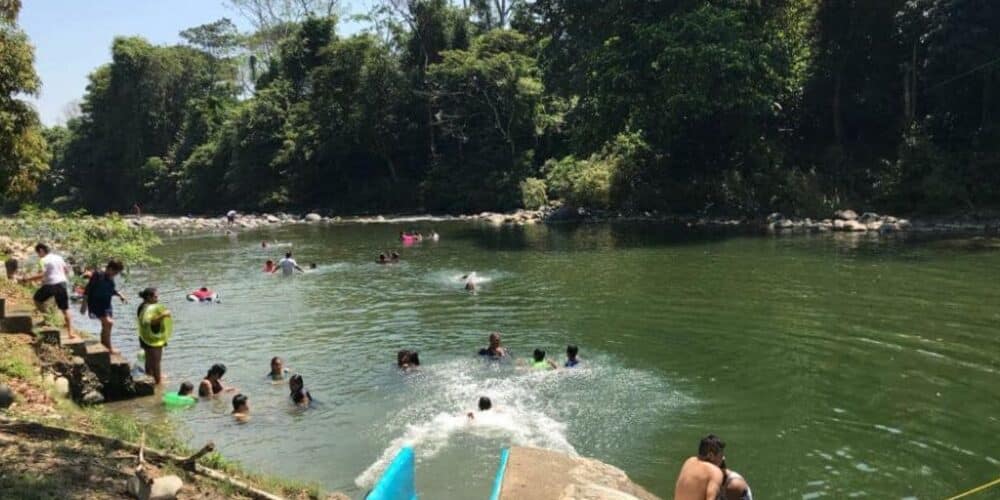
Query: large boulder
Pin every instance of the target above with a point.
(845, 214)
(869, 217)
(564, 213)
(853, 225)
(313, 217)
(272, 219)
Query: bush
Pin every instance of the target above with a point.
(605, 178)
(533, 195)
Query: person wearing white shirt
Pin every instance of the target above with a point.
(287, 265)
(53, 278)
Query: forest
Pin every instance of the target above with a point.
(442, 106)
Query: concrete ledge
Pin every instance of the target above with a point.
(537, 474)
(16, 324)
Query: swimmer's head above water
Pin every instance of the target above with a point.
(187, 388)
(241, 404)
(485, 403)
(277, 366)
(538, 355)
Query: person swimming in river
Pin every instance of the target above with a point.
(278, 370)
(269, 266)
(241, 408)
(484, 405)
(471, 281)
(494, 350)
(571, 356)
(299, 394)
(394, 257)
(212, 383)
(538, 361)
(203, 294)
(263, 244)
(186, 389)
(382, 259)
(407, 360)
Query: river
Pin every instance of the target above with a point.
(833, 366)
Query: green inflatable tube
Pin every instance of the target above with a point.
(174, 400)
(158, 335)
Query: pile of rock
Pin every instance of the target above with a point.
(187, 224)
(843, 220)
(518, 218)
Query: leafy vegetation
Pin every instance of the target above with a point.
(725, 106)
(90, 240)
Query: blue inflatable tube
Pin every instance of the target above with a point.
(498, 480)
(398, 482)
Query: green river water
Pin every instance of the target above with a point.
(834, 366)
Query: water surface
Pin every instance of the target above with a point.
(833, 366)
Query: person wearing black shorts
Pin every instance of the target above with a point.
(53, 278)
(97, 299)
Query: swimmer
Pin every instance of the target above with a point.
(435, 236)
(734, 486)
(571, 358)
(495, 350)
(263, 244)
(300, 395)
(288, 265)
(187, 388)
(269, 266)
(212, 383)
(241, 408)
(312, 265)
(407, 360)
(203, 294)
(418, 236)
(470, 286)
(394, 257)
(538, 361)
(278, 370)
(701, 477)
(484, 405)
(381, 259)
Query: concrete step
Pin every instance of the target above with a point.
(20, 323)
(77, 346)
(3, 307)
(98, 358)
(48, 335)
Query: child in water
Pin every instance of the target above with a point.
(538, 361)
(278, 370)
(300, 395)
(187, 388)
(571, 359)
(241, 408)
(484, 405)
(407, 360)
(269, 266)
(212, 383)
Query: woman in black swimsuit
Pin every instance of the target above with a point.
(212, 383)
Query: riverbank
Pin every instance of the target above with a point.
(52, 448)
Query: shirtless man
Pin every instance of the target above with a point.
(701, 477)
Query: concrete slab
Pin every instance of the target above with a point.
(537, 474)
(19, 323)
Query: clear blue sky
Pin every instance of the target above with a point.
(73, 37)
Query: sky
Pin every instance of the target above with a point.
(73, 37)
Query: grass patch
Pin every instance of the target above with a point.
(287, 487)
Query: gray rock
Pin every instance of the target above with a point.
(853, 225)
(845, 214)
(775, 217)
(62, 386)
(92, 398)
(868, 217)
(144, 386)
(313, 217)
(6, 396)
(272, 219)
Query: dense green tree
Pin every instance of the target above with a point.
(23, 153)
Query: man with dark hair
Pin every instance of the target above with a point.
(97, 298)
(701, 477)
(287, 266)
(241, 408)
(53, 278)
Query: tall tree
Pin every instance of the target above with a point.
(23, 152)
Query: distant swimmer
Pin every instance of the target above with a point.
(278, 370)
(701, 477)
(263, 244)
(299, 394)
(494, 350)
(484, 405)
(382, 259)
(203, 294)
(288, 265)
(312, 266)
(538, 361)
(394, 257)
(734, 485)
(571, 356)
(407, 360)
(471, 282)
(269, 266)
(435, 236)
(241, 408)
(212, 383)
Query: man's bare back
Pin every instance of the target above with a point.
(699, 480)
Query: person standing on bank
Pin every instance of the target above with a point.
(53, 278)
(155, 328)
(97, 299)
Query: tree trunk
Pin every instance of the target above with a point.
(838, 126)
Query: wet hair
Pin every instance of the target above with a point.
(495, 335)
(485, 403)
(288, 255)
(312, 265)
(42, 247)
(406, 356)
(710, 444)
(186, 389)
(217, 369)
(269, 261)
(115, 265)
(238, 401)
(147, 293)
(381, 257)
(539, 355)
(295, 384)
(395, 255)
(571, 350)
(275, 359)
(203, 289)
